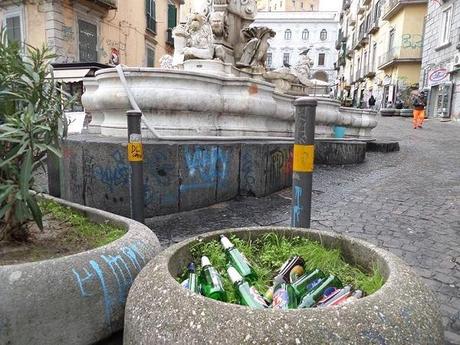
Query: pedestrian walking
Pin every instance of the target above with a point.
(419, 103)
(371, 102)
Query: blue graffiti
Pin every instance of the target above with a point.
(94, 279)
(298, 191)
(113, 175)
(206, 167)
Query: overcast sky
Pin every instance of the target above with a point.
(330, 5)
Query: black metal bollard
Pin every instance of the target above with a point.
(304, 153)
(136, 161)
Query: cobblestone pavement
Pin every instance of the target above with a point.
(406, 202)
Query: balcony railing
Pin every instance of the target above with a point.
(107, 4)
(373, 26)
(397, 55)
(393, 7)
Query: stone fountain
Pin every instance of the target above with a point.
(217, 124)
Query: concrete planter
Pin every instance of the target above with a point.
(160, 311)
(76, 299)
(389, 112)
(406, 112)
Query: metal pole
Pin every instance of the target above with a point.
(136, 161)
(304, 151)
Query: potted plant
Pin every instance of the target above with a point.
(72, 299)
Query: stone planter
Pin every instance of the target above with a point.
(389, 112)
(76, 299)
(160, 311)
(406, 112)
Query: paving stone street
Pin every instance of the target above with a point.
(407, 202)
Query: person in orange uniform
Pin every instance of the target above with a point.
(419, 110)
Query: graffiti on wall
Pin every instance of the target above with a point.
(411, 41)
(99, 274)
(280, 165)
(205, 167)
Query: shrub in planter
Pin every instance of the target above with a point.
(31, 125)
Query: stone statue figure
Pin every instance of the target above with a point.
(198, 38)
(219, 25)
(302, 69)
(166, 62)
(256, 46)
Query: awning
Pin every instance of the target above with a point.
(70, 75)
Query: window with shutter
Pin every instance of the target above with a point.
(150, 15)
(150, 52)
(13, 29)
(87, 41)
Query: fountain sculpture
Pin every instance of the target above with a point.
(217, 123)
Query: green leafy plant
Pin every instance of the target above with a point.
(31, 124)
(268, 253)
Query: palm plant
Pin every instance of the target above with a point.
(31, 125)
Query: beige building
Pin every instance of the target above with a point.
(131, 32)
(380, 44)
(288, 5)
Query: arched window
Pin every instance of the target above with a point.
(305, 34)
(287, 34)
(323, 35)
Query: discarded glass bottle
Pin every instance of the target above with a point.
(211, 281)
(307, 282)
(339, 295)
(287, 267)
(247, 294)
(238, 260)
(192, 278)
(294, 263)
(284, 297)
(296, 273)
(340, 298)
(311, 297)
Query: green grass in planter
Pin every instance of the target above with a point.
(269, 252)
(95, 234)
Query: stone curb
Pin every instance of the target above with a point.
(75, 299)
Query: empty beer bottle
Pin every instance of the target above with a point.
(247, 294)
(192, 278)
(292, 265)
(307, 282)
(312, 296)
(238, 260)
(284, 297)
(211, 281)
(288, 266)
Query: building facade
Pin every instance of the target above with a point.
(134, 33)
(288, 5)
(296, 32)
(440, 74)
(380, 50)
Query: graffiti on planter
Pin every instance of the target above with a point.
(120, 268)
(205, 167)
(298, 191)
(411, 41)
